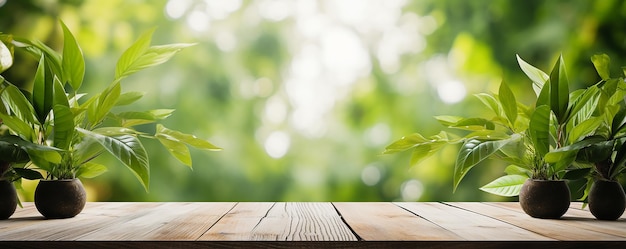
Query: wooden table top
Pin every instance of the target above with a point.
(344, 224)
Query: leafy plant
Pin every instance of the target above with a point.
(518, 134)
(601, 154)
(14, 151)
(54, 113)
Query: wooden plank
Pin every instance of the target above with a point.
(239, 222)
(310, 221)
(93, 216)
(139, 224)
(23, 217)
(583, 219)
(579, 206)
(557, 229)
(469, 225)
(192, 224)
(386, 221)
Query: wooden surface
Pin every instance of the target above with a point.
(309, 224)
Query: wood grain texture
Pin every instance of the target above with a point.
(469, 225)
(386, 221)
(584, 220)
(568, 228)
(308, 225)
(281, 221)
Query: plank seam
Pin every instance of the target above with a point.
(358, 238)
(424, 218)
(216, 221)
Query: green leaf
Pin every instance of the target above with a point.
(140, 56)
(425, 150)
(472, 124)
(128, 98)
(155, 55)
(133, 53)
(508, 102)
(11, 152)
(491, 102)
(559, 91)
(43, 91)
(90, 170)
(63, 127)
(18, 126)
(539, 129)
(473, 152)
(60, 97)
(116, 131)
(537, 76)
(564, 152)
(509, 185)
(100, 108)
(18, 103)
(619, 119)
(129, 150)
(86, 150)
(39, 49)
(28, 173)
(405, 143)
(544, 95)
(601, 63)
(185, 138)
(136, 118)
(586, 128)
(576, 174)
(178, 149)
(36, 152)
(448, 120)
(517, 170)
(583, 107)
(6, 57)
(73, 62)
(63, 118)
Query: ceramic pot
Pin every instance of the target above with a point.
(59, 199)
(8, 199)
(544, 199)
(607, 200)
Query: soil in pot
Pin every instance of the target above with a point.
(545, 199)
(8, 199)
(58, 199)
(607, 200)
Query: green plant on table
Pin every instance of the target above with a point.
(55, 114)
(14, 150)
(521, 135)
(602, 153)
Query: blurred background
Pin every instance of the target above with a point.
(305, 95)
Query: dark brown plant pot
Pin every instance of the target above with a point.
(607, 200)
(59, 199)
(8, 199)
(544, 199)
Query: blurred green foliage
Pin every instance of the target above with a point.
(304, 95)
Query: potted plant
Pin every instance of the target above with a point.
(10, 154)
(601, 156)
(520, 135)
(14, 165)
(82, 130)
(14, 151)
